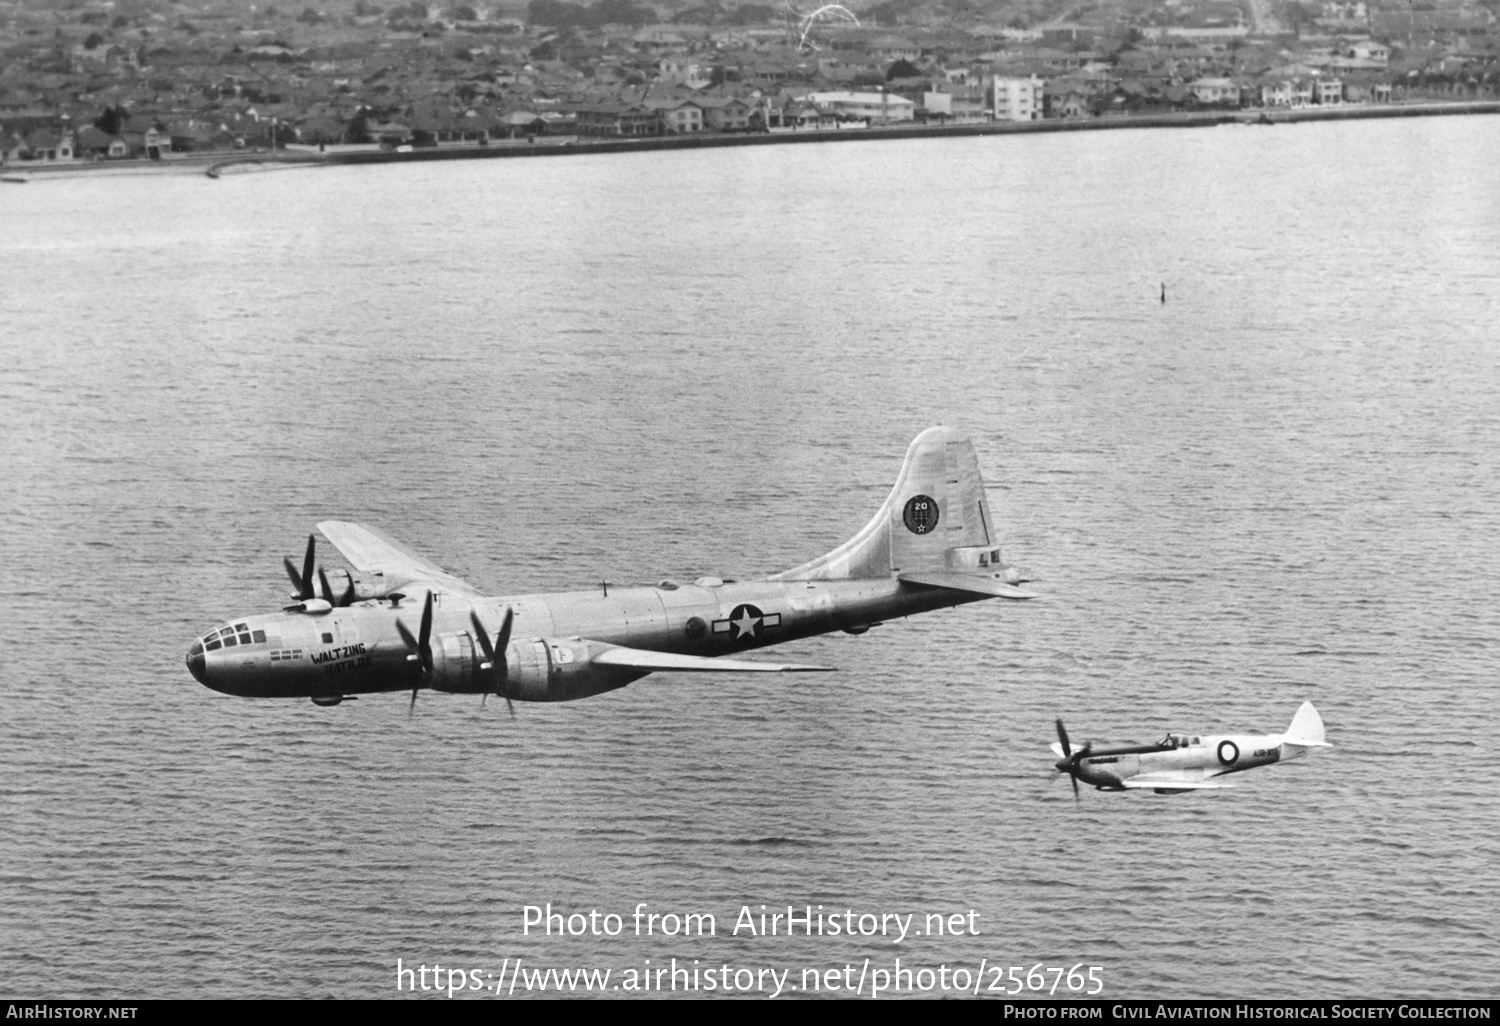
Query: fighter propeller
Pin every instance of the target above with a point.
(1069, 762)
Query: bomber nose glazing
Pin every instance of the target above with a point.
(196, 664)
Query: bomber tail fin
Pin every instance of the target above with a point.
(934, 529)
(1306, 730)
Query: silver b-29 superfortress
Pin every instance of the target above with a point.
(401, 623)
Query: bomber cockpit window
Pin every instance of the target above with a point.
(232, 636)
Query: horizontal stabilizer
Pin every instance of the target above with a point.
(1168, 783)
(639, 659)
(965, 582)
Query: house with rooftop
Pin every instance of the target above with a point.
(726, 113)
(1223, 92)
(677, 116)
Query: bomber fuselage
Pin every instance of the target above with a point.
(358, 649)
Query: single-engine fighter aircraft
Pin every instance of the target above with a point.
(403, 623)
(1186, 762)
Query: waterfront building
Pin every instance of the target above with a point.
(48, 144)
(677, 116)
(1015, 99)
(1221, 91)
(726, 113)
(95, 142)
(879, 108)
(613, 118)
(957, 105)
(1278, 94)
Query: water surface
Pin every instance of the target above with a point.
(1276, 486)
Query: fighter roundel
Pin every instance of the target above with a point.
(745, 624)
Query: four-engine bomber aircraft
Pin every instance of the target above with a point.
(932, 545)
(1186, 762)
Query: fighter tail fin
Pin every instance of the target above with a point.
(936, 520)
(1306, 729)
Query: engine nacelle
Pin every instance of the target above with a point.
(455, 665)
(561, 670)
(538, 669)
(338, 583)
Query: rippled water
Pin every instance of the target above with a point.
(1278, 485)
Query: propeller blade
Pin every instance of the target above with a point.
(502, 640)
(1069, 762)
(495, 654)
(291, 572)
(327, 591)
(347, 599)
(406, 636)
(483, 636)
(419, 646)
(424, 636)
(307, 567)
(502, 643)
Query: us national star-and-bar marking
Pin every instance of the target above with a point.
(745, 623)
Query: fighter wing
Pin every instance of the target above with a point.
(639, 659)
(371, 551)
(1173, 783)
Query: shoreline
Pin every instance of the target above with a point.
(212, 164)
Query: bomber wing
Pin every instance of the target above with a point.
(372, 551)
(640, 659)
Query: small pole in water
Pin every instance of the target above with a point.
(1163, 292)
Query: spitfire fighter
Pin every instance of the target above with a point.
(1186, 762)
(401, 623)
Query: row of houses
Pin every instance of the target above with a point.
(53, 143)
(992, 98)
(1300, 91)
